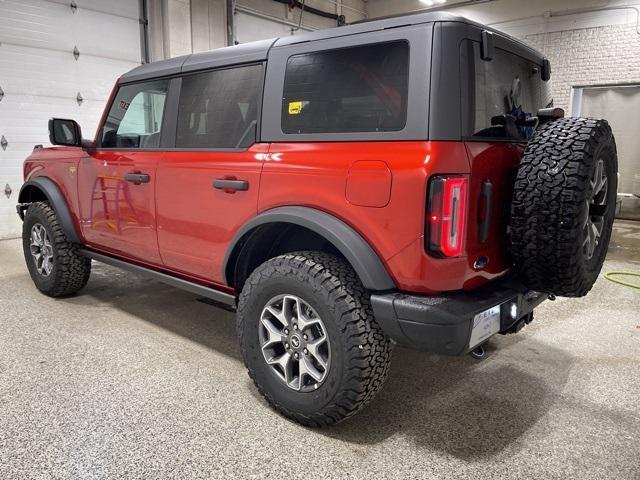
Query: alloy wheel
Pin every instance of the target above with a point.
(597, 207)
(41, 249)
(294, 342)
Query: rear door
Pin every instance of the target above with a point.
(116, 180)
(207, 186)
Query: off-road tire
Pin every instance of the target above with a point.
(551, 205)
(71, 270)
(360, 352)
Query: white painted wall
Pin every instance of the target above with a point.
(208, 24)
(179, 27)
(256, 28)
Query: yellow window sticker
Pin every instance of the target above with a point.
(295, 108)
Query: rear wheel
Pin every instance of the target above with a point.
(309, 339)
(563, 206)
(55, 265)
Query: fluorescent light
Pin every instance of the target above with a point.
(431, 3)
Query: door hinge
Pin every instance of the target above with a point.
(3, 143)
(79, 99)
(7, 190)
(1, 94)
(74, 7)
(76, 52)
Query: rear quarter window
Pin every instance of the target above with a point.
(357, 89)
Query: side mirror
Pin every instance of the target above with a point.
(65, 132)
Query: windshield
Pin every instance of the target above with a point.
(503, 95)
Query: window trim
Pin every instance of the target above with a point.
(419, 39)
(169, 127)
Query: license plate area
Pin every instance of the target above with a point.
(485, 325)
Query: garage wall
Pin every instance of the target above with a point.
(589, 56)
(41, 78)
(250, 25)
(179, 27)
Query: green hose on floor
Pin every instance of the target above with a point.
(609, 276)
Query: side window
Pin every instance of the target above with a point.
(357, 89)
(219, 109)
(135, 117)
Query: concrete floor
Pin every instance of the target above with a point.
(134, 379)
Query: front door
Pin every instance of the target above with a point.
(207, 186)
(116, 180)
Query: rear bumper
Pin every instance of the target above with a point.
(443, 323)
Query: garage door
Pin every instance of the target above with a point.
(40, 76)
(620, 106)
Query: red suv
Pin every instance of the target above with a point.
(405, 180)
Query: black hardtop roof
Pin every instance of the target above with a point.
(258, 51)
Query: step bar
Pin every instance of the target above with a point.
(201, 290)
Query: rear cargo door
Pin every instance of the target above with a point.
(501, 97)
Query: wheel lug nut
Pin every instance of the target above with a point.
(286, 331)
(306, 352)
(305, 336)
(295, 327)
(286, 345)
(296, 355)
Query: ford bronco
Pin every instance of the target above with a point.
(399, 181)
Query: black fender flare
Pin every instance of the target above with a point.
(364, 260)
(56, 200)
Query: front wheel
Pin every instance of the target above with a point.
(56, 266)
(309, 339)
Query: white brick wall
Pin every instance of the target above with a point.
(589, 56)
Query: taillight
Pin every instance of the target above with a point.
(446, 215)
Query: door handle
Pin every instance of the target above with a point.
(230, 186)
(486, 202)
(137, 178)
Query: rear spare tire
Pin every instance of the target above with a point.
(563, 206)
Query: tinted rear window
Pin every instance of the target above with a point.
(359, 89)
(506, 85)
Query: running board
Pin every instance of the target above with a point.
(206, 292)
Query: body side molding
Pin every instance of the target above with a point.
(56, 200)
(364, 260)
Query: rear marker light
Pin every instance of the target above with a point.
(447, 215)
